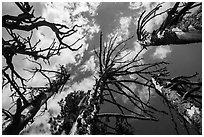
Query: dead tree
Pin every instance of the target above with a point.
(27, 101)
(184, 96)
(179, 27)
(114, 73)
(25, 112)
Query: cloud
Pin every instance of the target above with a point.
(161, 52)
(148, 6)
(6, 99)
(121, 30)
(90, 65)
(68, 14)
(85, 85)
(142, 92)
(7, 6)
(124, 25)
(135, 5)
(145, 94)
(131, 86)
(86, 6)
(93, 6)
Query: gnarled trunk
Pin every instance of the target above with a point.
(185, 108)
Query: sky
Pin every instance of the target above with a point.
(110, 18)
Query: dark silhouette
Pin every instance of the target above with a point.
(178, 17)
(27, 108)
(184, 96)
(82, 111)
(114, 74)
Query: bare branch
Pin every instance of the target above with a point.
(166, 33)
(125, 116)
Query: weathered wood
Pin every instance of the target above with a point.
(175, 29)
(29, 111)
(190, 112)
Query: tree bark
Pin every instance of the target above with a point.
(179, 27)
(28, 111)
(85, 120)
(175, 37)
(191, 113)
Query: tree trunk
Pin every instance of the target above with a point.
(28, 111)
(85, 120)
(179, 27)
(188, 110)
(175, 37)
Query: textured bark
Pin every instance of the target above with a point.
(28, 111)
(188, 110)
(85, 120)
(179, 27)
(89, 106)
(176, 37)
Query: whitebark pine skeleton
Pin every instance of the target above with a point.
(178, 98)
(26, 109)
(111, 67)
(179, 27)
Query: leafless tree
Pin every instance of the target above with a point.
(184, 96)
(115, 72)
(181, 26)
(28, 100)
(179, 92)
